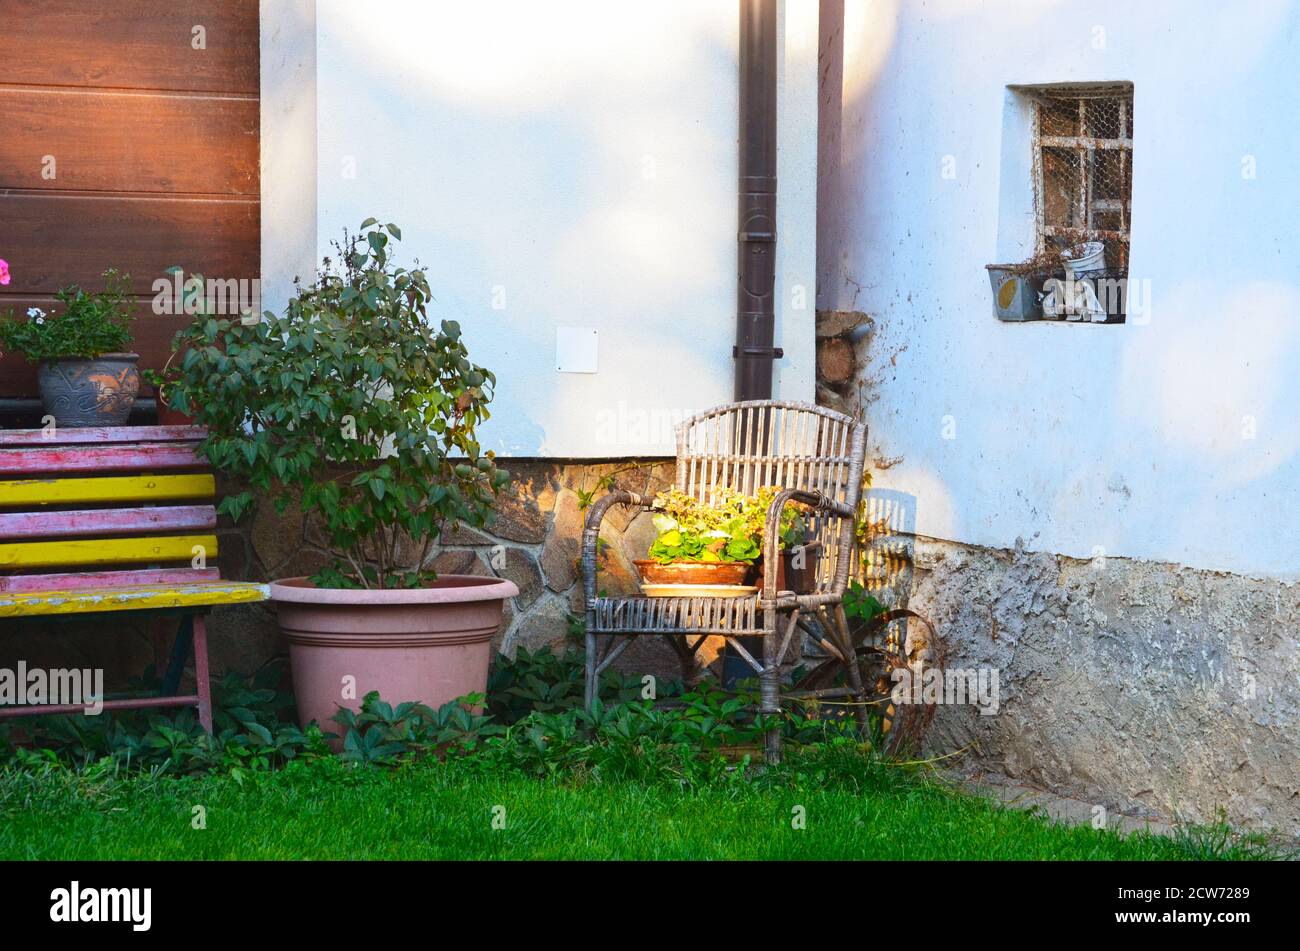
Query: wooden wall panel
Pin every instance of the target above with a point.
(156, 151)
(59, 139)
(131, 44)
(73, 237)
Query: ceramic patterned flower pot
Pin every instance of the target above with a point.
(430, 644)
(99, 391)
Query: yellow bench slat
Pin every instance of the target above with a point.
(147, 488)
(131, 598)
(106, 551)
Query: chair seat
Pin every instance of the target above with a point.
(145, 597)
(678, 616)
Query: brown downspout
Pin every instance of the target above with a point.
(755, 315)
(756, 278)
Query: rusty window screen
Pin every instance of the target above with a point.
(1083, 157)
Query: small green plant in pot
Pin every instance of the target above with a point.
(86, 376)
(717, 543)
(354, 409)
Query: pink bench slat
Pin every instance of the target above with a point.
(148, 457)
(23, 584)
(124, 521)
(104, 434)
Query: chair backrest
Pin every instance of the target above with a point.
(107, 507)
(752, 445)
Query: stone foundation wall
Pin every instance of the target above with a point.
(534, 542)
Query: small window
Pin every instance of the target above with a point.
(1083, 158)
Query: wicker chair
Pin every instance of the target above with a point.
(815, 456)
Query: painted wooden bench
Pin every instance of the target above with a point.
(104, 521)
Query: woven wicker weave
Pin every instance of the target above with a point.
(815, 456)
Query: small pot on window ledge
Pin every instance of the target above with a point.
(1015, 291)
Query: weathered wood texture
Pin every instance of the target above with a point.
(81, 509)
(70, 436)
(131, 44)
(132, 598)
(106, 489)
(130, 141)
(92, 522)
(146, 456)
(69, 581)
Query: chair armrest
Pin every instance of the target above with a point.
(591, 533)
(772, 525)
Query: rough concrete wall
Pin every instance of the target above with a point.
(1134, 684)
(1140, 686)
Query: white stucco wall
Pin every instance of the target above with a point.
(568, 164)
(1131, 439)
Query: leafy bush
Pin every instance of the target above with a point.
(86, 325)
(352, 407)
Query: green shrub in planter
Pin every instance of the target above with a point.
(352, 406)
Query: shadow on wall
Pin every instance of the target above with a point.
(889, 549)
(551, 165)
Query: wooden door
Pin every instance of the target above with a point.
(128, 139)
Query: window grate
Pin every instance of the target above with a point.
(1083, 145)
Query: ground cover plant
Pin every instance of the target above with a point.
(523, 773)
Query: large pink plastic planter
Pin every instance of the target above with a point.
(428, 644)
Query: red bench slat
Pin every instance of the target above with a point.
(148, 457)
(100, 434)
(124, 521)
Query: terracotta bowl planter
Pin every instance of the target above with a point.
(90, 392)
(693, 572)
(429, 644)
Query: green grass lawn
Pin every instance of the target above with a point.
(432, 810)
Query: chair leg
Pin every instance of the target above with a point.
(589, 685)
(687, 659)
(770, 688)
(201, 672)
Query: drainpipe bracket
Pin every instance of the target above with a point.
(776, 353)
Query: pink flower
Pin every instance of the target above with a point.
(4, 271)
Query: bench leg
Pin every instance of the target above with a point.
(199, 625)
(180, 652)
